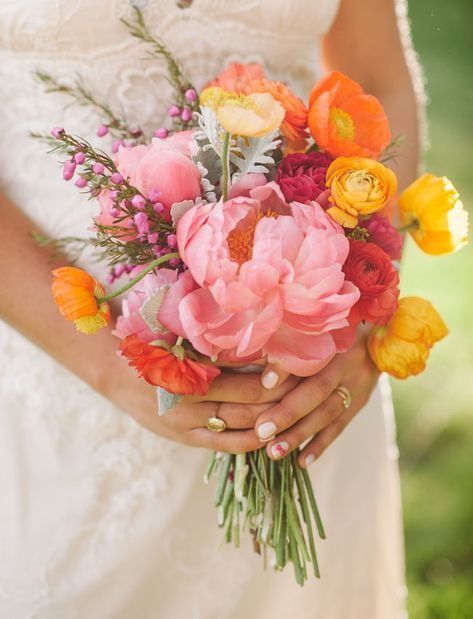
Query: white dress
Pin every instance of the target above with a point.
(100, 519)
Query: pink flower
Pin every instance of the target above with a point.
(164, 167)
(262, 283)
(301, 176)
(131, 321)
(383, 234)
(237, 77)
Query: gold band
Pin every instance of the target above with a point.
(343, 392)
(216, 424)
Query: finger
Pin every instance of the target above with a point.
(306, 427)
(307, 396)
(273, 375)
(229, 441)
(316, 447)
(241, 416)
(245, 389)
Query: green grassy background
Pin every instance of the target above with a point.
(435, 410)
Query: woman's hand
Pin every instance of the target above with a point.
(313, 409)
(238, 399)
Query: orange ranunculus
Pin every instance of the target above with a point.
(237, 76)
(294, 125)
(431, 205)
(169, 369)
(402, 347)
(359, 186)
(75, 293)
(344, 120)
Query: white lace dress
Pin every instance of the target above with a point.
(100, 519)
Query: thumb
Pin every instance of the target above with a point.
(273, 375)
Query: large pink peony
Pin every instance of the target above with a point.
(140, 308)
(163, 166)
(263, 280)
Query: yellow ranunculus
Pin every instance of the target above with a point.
(359, 186)
(253, 115)
(402, 347)
(432, 207)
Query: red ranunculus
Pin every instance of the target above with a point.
(370, 269)
(162, 368)
(301, 176)
(382, 233)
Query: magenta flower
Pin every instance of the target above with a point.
(301, 176)
(263, 280)
(383, 234)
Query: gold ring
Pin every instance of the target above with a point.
(344, 394)
(216, 424)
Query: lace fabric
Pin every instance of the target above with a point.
(99, 517)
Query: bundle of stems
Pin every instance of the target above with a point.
(274, 501)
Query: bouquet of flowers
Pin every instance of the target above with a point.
(255, 227)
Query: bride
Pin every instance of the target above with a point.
(103, 511)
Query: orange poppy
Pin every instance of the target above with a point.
(237, 76)
(168, 369)
(344, 120)
(75, 293)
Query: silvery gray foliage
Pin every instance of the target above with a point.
(206, 151)
(167, 401)
(252, 156)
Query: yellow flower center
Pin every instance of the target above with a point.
(241, 239)
(215, 97)
(343, 123)
(91, 324)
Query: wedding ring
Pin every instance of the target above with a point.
(216, 424)
(344, 394)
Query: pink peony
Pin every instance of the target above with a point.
(165, 167)
(131, 321)
(262, 282)
(383, 234)
(301, 176)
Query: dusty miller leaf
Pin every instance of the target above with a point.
(251, 156)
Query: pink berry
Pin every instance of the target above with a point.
(174, 263)
(172, 240)
(154, 194)
(57, 132)
(98, 168)
(158, 208)
(68, 170)
(174, 111)
(138, 201)
(116, 178)
(113, 195)
(115, 212)
(79, 158)
(191, 95)
(116, 145)
(153, 238)
(161, 133)
(186, 115)
(81, 182)
(102, 130)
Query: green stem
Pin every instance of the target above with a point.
(152, 265)
(225, 164)
(407, 227)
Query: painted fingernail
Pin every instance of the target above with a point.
(310, 458)
(266, 430)
(270, 380)
(279, 450)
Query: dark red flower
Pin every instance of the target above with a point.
(370, 269)
(382, 233)
(163, 368)
(301, 176)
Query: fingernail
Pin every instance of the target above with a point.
(270, 379)
(266, 430)
(310, 458)
(278, 450)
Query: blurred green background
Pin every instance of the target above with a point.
(435, 410)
